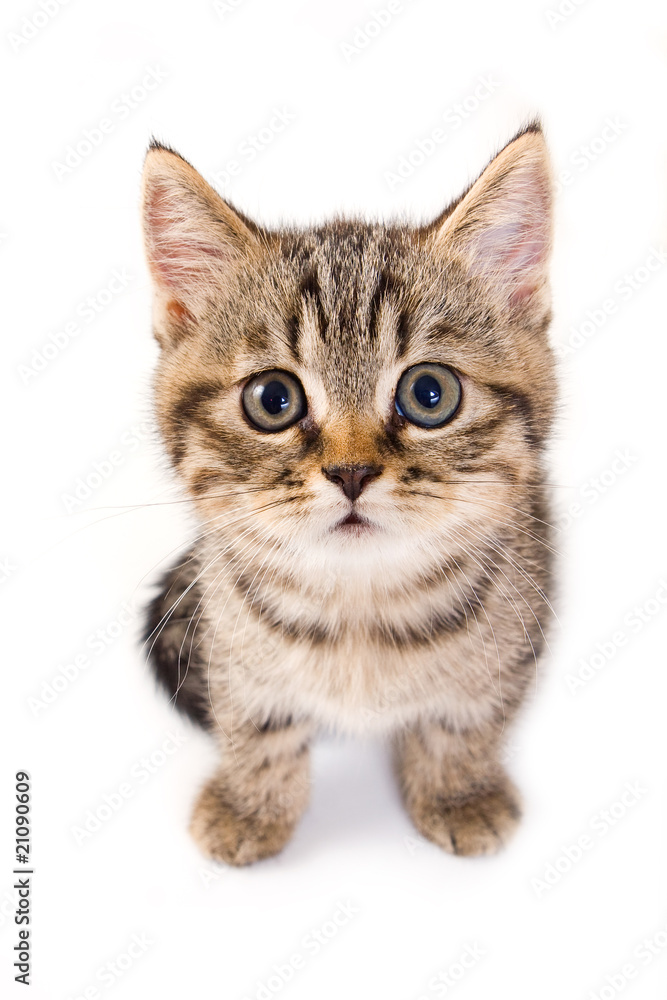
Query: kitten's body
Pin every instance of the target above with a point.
(424, 621)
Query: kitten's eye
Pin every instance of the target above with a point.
(428, 395)
(274, 400)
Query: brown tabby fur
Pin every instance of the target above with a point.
(277, 623)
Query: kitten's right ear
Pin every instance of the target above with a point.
(194, 241)
(500, 229)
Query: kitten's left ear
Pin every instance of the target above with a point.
(501, 229)
(195, 241)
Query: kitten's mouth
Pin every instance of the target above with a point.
(353, 524)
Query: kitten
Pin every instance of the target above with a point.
(357, 412)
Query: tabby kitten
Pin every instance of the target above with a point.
(357, 412)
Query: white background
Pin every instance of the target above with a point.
(217, 933)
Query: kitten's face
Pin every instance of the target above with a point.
(355, 391)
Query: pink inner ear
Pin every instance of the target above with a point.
(179, 312)
(512, 251)
(526, 263)
(179, 255)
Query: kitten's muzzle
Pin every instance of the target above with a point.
(352, 479)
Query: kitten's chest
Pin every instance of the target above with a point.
(356, 657)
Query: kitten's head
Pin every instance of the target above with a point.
(356, 390)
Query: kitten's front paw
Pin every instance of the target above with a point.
(479, 824)
(224, 835)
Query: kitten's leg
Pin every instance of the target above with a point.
(455, 788)
(250, 807)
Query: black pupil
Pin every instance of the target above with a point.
(275, 397)
(427, 391)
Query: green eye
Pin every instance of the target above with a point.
(428, 395)
(274, 400)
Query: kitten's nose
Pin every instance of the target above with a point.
(352, 478)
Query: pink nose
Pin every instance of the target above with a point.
(352, 478)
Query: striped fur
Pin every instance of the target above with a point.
(428, 627)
